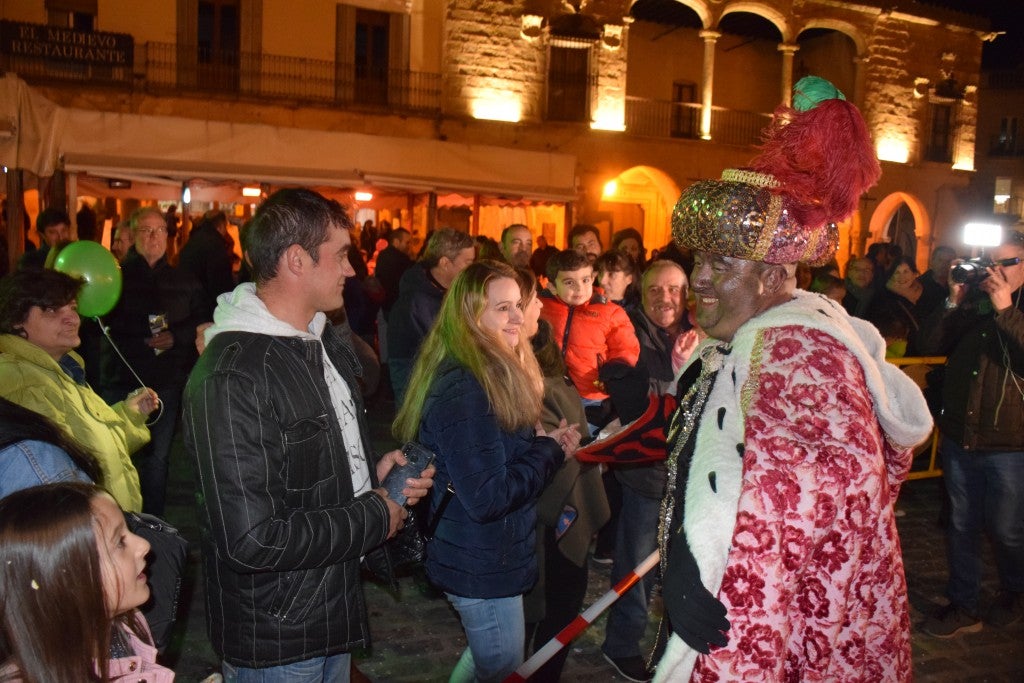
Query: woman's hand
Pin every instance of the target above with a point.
(567, 436)
(143, 401)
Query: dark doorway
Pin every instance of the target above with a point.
(218, 43)
(371, 57)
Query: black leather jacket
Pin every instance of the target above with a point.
(282, 532)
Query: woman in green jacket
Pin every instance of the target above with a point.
(38, 370)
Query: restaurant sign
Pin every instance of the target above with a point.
(18, 39)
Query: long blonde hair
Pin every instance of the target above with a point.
(510, 378)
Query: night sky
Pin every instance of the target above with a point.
(1007, 52)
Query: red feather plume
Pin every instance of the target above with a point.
(823, 159)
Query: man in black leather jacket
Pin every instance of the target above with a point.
(288, 484)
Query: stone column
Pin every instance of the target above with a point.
(860, 64)
(707, 81)
(787, 50)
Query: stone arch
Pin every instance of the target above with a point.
(846, 28)
(699, 7)
(884, 213)
(654, 192)
(772, 15)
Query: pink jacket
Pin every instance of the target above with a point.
(142, 667)
(139, 668)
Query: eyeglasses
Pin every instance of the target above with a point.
(149, 232)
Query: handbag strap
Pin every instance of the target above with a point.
(439, 513)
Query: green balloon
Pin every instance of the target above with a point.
(97, 267)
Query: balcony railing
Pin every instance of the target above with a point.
(167, 67)
(662, 119)
(293, 78)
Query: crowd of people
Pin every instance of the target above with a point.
(724, 401)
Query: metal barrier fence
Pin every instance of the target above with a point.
(917, 367)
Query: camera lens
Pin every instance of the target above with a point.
(968, 273)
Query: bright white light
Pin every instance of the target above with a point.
(186, 196)
(364, 196)
(497, 107)
(890, 149)
(610, 188)
(983, 234)
(1002, 198)
(251, 192)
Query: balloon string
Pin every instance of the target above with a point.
(142, 385)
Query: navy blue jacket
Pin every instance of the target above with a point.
(484, 544)
(419, 300)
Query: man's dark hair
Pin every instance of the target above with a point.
(565, 260)
(395, 234)
(581, 229)
(627, 234)
(290, 216)
(214, 218)
(51, 216)
(1014, 238)
(514, 226)
(445, 242)
(23, 289)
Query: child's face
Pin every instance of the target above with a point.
(122, 557)
(575, 287)
(615, 283)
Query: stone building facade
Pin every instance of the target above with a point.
(486, 112)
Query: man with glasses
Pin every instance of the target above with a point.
(981, 330)
(154, 326)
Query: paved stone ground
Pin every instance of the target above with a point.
(417, 637)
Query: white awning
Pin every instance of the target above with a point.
(169, 149)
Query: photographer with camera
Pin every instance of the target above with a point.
(981, 330)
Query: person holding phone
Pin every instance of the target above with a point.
(289, 496)
(475, 401)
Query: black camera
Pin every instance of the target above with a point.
(974, 270)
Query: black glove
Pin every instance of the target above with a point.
(694, 614)
(627, 386)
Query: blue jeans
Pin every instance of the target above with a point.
(334, 669)
(636, 538)
(986, 493)
(496, 633)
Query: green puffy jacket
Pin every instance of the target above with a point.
(31, 378)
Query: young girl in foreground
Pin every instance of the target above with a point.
(71, 578)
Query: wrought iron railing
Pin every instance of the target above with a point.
(168, 67)
(291, 78)
(660, 118)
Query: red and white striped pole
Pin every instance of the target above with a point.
(581, 622)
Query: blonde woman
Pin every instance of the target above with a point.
(475, 399)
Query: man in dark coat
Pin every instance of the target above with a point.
(208, 256)
(154, 327)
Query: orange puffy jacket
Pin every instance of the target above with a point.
(590, 335)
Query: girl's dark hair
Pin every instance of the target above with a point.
(56, 627)
(614, 262)
(23, 289)
(18, 423)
